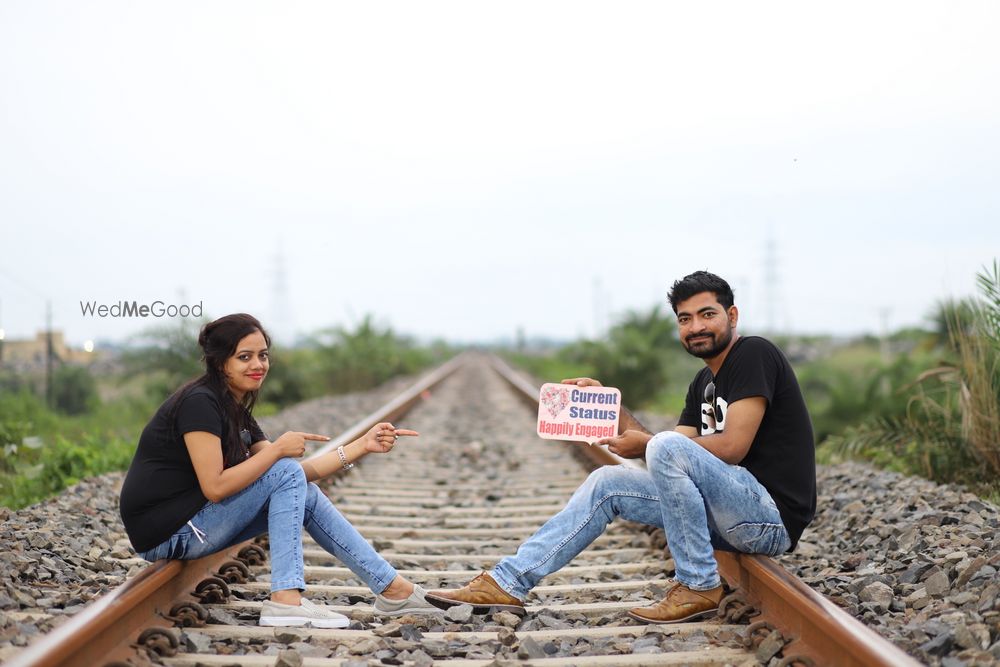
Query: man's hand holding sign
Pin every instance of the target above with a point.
(583, 410)
(630, 443)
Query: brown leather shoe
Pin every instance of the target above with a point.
(680, 604)
(482, 593)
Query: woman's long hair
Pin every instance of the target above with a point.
(218, 340)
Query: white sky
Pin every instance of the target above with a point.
(462, 169)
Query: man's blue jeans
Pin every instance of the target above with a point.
(700, 501)
(281, 503)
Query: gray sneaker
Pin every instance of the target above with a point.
(415, 604)
(275, 614)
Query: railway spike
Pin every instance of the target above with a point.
(235, 572)
(735, 609)
(161, 641)
(765, 640)
(212, 590)
(756, 633)
(252, 555)
(188, 614)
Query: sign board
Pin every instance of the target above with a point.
(586, 414)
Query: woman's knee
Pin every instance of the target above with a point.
(317, 501)
(314, 495)
(290, 470)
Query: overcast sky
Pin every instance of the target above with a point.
(462, 169)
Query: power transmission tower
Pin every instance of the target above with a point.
(773, 307)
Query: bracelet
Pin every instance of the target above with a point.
(344, 465)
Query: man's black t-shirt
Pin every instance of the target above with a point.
(783, 454)
(161, 492)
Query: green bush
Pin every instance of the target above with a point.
(38, 468)
(641, 356)
(74, 390)
(950, 430)
(166, 356)
(854, 384)
(366, 357)
(45, 451)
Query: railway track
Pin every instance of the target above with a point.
(441, 509)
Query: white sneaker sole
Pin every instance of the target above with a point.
(303, 621)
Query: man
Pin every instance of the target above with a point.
(738, 473)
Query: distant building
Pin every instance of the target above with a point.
(29, 355)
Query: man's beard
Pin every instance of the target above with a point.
(718, 345)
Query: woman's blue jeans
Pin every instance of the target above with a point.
(281, 503)
(701, 502)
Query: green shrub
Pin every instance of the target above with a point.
(74, 390)
(641, 356)
(42, 468)
(950, 430)
(856, 384)
(167, 356)
(365, 357)
(45, 451)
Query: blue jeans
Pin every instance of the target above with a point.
(280, 502)
(702, 503)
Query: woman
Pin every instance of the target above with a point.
(205, 477)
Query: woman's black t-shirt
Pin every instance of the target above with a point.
(782, 455)
(161, 492)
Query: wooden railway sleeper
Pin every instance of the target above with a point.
(212, 590)
(735, 609)
(161, 641)
(188, 614)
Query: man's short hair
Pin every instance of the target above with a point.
(698, 282)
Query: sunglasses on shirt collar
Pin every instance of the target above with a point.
(710, 399)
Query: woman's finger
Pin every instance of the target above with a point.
(405, 431)
(315, 436)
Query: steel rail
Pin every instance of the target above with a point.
(94, 635)
(816, 629)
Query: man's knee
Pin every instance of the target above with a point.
(670, 449)
(605, 481)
